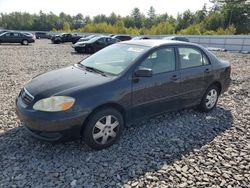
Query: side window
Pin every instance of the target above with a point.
(16, 34)
(160, 61)
(7, 34)
(108, 40)
(101, 41)
(190, 57)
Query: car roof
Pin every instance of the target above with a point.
(121, 36)
(154, 43)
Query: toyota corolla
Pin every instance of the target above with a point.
(125, 82)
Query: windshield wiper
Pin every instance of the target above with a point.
(92, 69)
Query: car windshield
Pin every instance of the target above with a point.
(115, 58)
(90, 37)
(93, 39)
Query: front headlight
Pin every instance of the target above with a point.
(54, 104)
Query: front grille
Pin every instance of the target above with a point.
(26, 96)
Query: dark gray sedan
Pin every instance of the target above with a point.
(16, 37)
(118, 85)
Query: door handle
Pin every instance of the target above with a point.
(175, 77)
(207, 70)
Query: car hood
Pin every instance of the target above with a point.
(64, 80)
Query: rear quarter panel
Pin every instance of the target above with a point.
(222, 71)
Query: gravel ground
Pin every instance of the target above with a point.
(179, 149)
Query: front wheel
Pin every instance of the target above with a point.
(25, 42)
(103, 128)
(210, 98)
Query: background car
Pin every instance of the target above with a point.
(16, 37)
(95, 44)
(122, 37)
(118, 85)
(178, 38)
(3, 31)
(86, 38)
(42, 35)
(140, 38)
(65, 37)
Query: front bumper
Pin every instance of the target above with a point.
(50, 126)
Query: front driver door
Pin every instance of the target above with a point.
(100, 44)
(159, 93)
(7, 37)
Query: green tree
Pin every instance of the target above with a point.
(214, 21)
(151, 18)
(137, 17)
(194, 29)
(66, 27)
(236, 12)
(184, 20)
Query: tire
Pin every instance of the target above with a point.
(103, 128)
(209, 99)
(57, 42)
(25, 42)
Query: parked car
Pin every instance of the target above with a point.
(16, 37)
(42, 35)
(65, 37)
(179, 38)
(122, 37)
(3, 31)
(118, 85)
(93, 45)
(140, 38)
(86, 38)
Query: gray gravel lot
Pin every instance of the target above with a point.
(179, 149)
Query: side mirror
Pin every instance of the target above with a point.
(144, 72)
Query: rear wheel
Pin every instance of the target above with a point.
(210, 98)
(25, 42)
(103, 128)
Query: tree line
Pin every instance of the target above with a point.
(224, 17)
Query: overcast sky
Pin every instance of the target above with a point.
(95, 7)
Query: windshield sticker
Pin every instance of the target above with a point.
(133, 49)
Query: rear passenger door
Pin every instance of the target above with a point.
(17, 38)
(195, 71)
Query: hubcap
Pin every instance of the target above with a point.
(211, 98)
(25, 42)
(105, 129)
